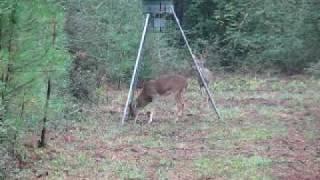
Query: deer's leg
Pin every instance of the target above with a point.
(177, 114)
(182, 101)
(151, 116)
(136, 118)
(203, 96)
(203, 91)
(201, 88)
(180, 104)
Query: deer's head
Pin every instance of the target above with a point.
(141, 101)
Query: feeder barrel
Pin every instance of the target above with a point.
(155, 7)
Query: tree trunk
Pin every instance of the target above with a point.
(42, 142)
(8, 70)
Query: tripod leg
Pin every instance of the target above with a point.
(125, 112)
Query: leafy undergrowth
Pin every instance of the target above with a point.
(270, 130)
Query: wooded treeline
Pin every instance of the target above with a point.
(32, 53)
(259, 34)
(82, 45)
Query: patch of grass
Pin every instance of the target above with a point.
(250, 134)
(311, 132)
(165, 165)
(230, 113)
(59, 161)
(275, 86)
(294, 99)
(128, 171)
(229, 138)
(72, 164)
(116, 131)
(238, 84)
(234, 167)
(197, 125)
(296, 85)
(60, 164)
(268, 112)
(251, 118)
(155, 142)
(82, 160)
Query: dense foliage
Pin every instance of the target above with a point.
(32, 51)
(107, 33)
(257, 34)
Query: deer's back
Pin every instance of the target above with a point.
(166, 84)
(207, 75)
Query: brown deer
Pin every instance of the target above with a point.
(163, 86)
(207, 74)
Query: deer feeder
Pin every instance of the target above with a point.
(160, 11)
(158, 14)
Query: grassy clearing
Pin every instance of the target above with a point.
(269, 131)
(234, 168)
(128, 171)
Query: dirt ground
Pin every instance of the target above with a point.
(270, 130)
